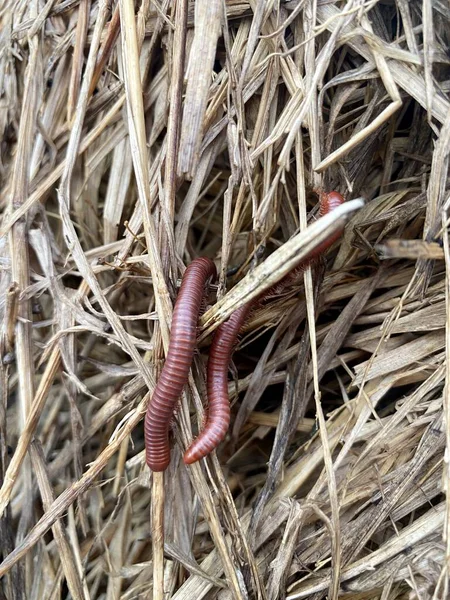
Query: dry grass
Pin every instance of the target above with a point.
(118, 166)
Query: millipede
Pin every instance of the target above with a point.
(175, 372)
(224, 341)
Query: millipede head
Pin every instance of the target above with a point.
(330, 201)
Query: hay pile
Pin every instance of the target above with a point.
(118, 166)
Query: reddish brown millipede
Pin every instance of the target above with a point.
(218, 417)
(175, 372)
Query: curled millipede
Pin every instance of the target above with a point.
(175, 372)
(218, 417)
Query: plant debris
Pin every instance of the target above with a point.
(136, 137)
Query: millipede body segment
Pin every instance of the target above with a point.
(175, 372)
(218, 417)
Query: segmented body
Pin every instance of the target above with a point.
(224, 341)
(175, 372)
